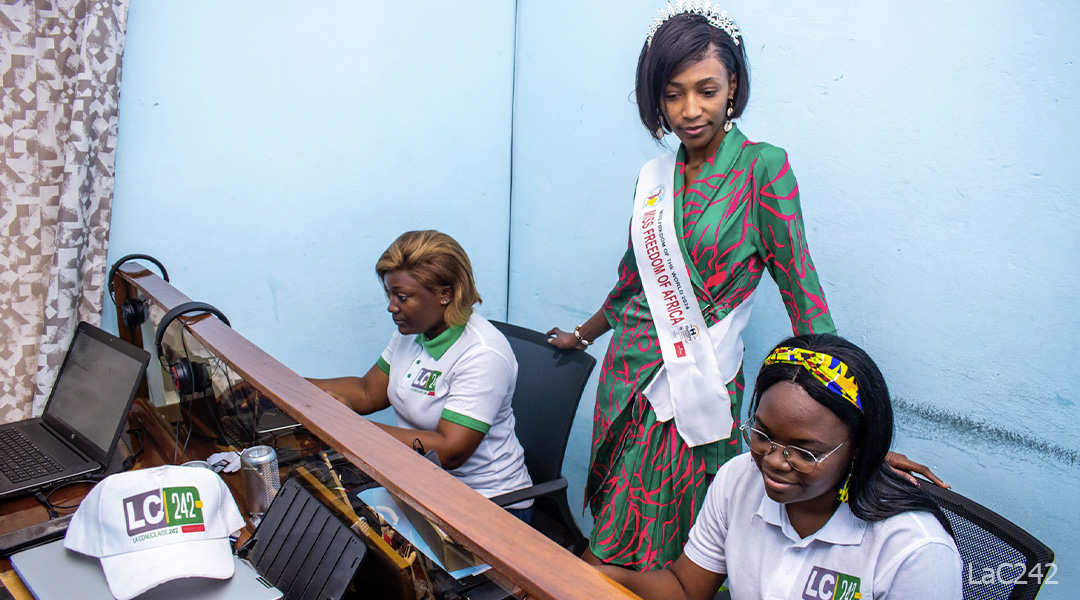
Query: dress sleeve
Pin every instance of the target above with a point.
(782, 243)
(628, 286)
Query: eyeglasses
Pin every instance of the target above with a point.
(803, 461)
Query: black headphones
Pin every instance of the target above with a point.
(133, 311)
(188, 376)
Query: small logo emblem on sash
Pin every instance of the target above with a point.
(686, 333)
(654, 196)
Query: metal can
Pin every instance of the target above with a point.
(261, 478)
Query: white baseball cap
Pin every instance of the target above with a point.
(154, 525)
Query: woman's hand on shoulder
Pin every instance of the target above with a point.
(905, 467)
(564, 340)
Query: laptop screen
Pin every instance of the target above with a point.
(95, 386)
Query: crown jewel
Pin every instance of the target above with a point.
(717, 18)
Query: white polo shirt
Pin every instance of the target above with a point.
(465, 375)
(743, 533)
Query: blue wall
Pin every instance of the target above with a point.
(269, 152)
(268, 155)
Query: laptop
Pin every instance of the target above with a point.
(264, 418)
(83, 419)
(253, 418)
(52, 572)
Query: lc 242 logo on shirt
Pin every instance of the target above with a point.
(425, 381)
(824, 584)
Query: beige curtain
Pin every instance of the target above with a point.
(60, 63)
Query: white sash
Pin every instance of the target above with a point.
(701, 360)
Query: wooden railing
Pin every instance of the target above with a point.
(516, 551)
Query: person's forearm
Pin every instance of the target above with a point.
(660, 585)
(350, 391)
(595, 326)
(450, 456)
(586, 333)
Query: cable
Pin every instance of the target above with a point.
(129, 462)
(215, 410)
(191, 420)
(299, 447)
(45, 502)
(233, 394)
(46, 499)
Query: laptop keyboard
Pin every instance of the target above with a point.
(21, 459)
(234, 435)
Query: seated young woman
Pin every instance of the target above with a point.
(447, 372)
(812, 511)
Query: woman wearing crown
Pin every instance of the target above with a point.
(708, 221)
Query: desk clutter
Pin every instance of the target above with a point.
(394, 566)
(145, 528)
(169, 532)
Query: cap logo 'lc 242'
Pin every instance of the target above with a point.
(178, 507)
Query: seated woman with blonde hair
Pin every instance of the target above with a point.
(813, 511)
(447, 372)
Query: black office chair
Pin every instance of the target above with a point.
(989, 543)
(549, 387)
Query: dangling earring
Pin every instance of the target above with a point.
(730, 109)
(845, 490)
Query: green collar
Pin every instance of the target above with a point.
(442, 342)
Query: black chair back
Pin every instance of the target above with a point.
(1001, 561)
(549, 387)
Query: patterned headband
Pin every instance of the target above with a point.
(830, 371)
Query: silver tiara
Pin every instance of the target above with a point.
(716, 17)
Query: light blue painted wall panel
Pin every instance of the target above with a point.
(270, 151)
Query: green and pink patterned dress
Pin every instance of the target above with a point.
(740, 218)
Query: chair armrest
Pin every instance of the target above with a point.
(534, 491)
